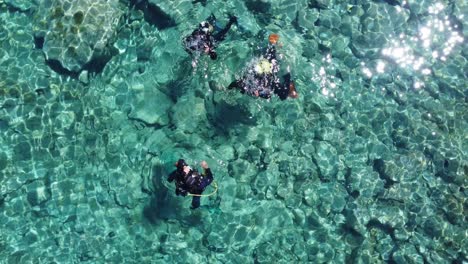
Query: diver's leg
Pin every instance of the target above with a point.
(219, 36)
(195, 202)
(287, 79)
(282, 89)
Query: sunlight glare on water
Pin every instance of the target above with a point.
(436, 38)
(328, 82)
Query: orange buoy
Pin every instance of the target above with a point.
(273, 38)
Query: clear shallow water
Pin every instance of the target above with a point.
(367, 166)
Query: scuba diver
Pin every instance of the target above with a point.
(189, 181)
(260, 79)
(204, 39)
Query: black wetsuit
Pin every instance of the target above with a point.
(179, 176)
(264, 85)
(193, 182)
(203, 40)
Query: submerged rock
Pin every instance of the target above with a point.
(23, 5)
(327, 160)
(152, 110)
(77, 31)
(189, 114)
(150, 105)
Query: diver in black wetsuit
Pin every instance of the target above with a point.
(190, 181)
(261, 79)
(204, 39)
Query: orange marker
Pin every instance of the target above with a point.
(273, 38)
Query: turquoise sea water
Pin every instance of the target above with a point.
(98, 99)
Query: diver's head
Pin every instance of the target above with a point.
(213, 55)
(180, 164)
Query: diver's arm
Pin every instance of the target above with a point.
(287, 88)
(207, 174)
(219, 36)
(172, 176)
